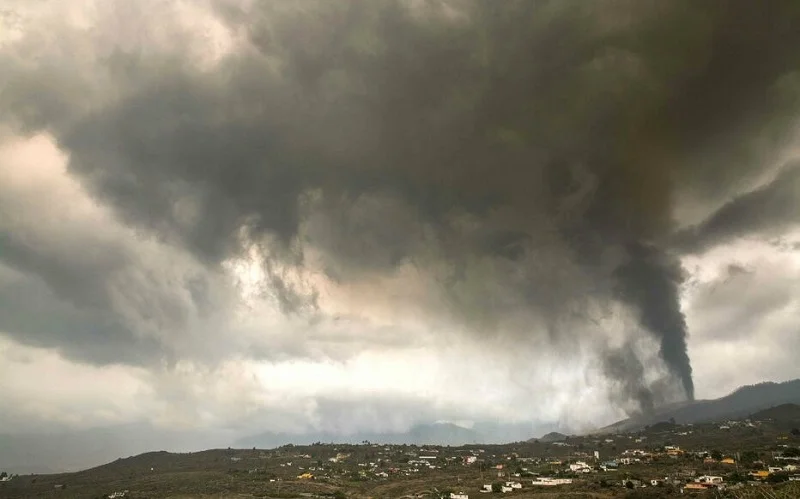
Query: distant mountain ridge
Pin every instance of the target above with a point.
(421, 434)
(740, 403)
(435, 433)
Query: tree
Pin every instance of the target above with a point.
(716, 455)
(3, 474)
(749, 456)
(792, 452)
(796, 432)
(777, 477)
(736, 477)
(497, 487)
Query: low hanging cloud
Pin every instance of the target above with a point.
(768, 211)
(505, 172)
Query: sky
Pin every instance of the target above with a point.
(231, 216)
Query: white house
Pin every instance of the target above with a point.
(505, 489)
(514, 485)
(459, 495)
(580, 467)
(545, 481)
(709, 479)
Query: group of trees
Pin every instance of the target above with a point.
(749, 457)
(791, 452)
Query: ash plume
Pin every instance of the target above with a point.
(649, 281)
(525, 157)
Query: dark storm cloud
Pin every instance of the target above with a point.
(536, 147)
(74, 279)
(91, 312)
(30, 313)
(768, 210)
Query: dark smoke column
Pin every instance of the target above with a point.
(649, 282)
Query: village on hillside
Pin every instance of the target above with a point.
(662, 460)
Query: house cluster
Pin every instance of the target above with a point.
(383, 462)
(705, 482)
(620, 460)
(501, 487)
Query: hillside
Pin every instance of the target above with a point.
(740, 403)
(783, 412)
(553, 436)
(784, 416)
(369, 470)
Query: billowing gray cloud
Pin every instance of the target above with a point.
(767, 211)
(74, 278)
(30, 311)
(523, 158)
